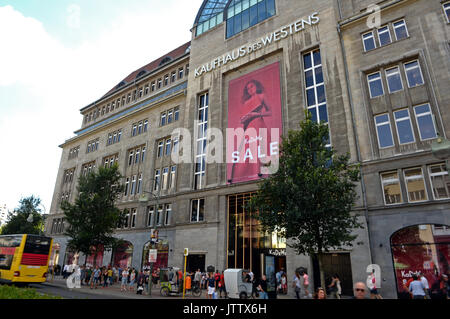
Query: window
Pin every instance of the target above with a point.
(384, 35)
(165, 178)
(159, 83)
(133, 185)
(157, 179)
(150, 211)
(404, 127)
(126, 220)
(166, 80)
(169, 116)
(143, 154)
(133, 217)
(375, 85)
(173, 172)
(159, 215)
(137, 156)
(175, 146)
(139, 184)
(147, 89)
(160, 148)
(315, 86)
(414, 74)
(177, 113)
(153, 86)
(369, 41)
(391, 188)
(141, 92)
(139, 128)
(400, 30)
(202, 126)
(168, 147)
(440, 182)
(425, 122)
(394, 80)
(127, 185)
(180, 73)
(168, 216)
(130, 158)
(384, 131)
(415, 185)
(446, 7)
(173, 76)
(246, 13)
(145, 126)
(163, 118)
(198, 210)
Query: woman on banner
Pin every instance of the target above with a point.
(253, 111)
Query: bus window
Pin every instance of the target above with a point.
(8, 245)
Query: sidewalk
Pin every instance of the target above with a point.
(115, 291)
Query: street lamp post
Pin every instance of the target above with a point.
(144, 199)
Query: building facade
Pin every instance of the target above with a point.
(191, 131)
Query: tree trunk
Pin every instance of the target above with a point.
(322, 274)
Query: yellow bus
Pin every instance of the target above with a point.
(24, 258)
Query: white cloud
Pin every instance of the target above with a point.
(59, 80)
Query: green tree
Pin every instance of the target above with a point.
(93, 217)
(309, 199)
(19, 221)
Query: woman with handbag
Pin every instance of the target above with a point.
(335, 287)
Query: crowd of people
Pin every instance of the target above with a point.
(128, 278)
(213, 283)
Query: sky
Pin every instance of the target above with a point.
(58, 56)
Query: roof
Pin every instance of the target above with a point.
(209, 9)
(152, 66)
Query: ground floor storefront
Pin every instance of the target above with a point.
(396, 245)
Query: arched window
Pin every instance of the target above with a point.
(420, 249)
(122, 256)
(141, 74)
(167, 59)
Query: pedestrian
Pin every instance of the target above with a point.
(335, 287)
(188, 282)
(305, 278)
(424, 281)
(297, 285)
(89, 276)
(211, 282)
(132, 279)
(284, 286)
(262, 288)
(140, 283)
(125, 274)
(105, 277)
(416, 288)
(222, 285)
(96, 274)
(360, 290)
(320, 294)
(83, 275)
(197, 278)
(372, 284)
(109, 274)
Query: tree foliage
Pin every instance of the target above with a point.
(309, 200)
(93, 218)
(18, 223)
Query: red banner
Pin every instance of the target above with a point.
(254, 124)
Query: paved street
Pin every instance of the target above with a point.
(58, 287)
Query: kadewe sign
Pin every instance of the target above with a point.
(254, 124)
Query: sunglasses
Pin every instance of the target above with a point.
(359, 289)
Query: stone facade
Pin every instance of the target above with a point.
(350, 116)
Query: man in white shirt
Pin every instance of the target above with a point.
(424, 281)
